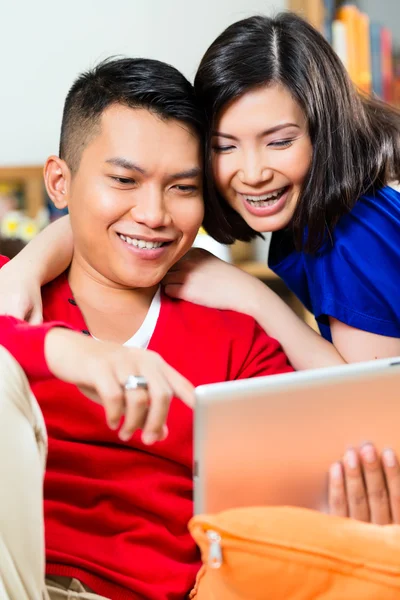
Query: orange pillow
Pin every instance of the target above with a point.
(284, 553)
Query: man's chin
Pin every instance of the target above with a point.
(142, 279)
(142, 284)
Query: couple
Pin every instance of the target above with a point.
(113, 365)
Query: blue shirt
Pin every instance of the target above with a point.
(355, 277)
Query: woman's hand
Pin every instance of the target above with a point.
(202, 278)
(366, 486)
(20, 295)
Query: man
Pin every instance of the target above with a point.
(117, 497)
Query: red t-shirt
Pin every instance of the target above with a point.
(116, 513)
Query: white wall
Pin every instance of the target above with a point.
(45, 44)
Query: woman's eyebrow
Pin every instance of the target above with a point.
(266, 132)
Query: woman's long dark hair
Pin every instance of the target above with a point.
(355, 139)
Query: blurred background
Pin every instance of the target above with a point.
(44, 45)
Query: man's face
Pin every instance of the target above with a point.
(136, 202)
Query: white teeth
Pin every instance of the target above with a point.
(268, 199)
(140, 243)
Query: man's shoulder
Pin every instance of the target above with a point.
(3, 260)
(206, 318)
(223, 337)
(226, 328)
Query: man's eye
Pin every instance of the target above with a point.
(281, 143)
(222, 149)
(186, 189)
(123, 180)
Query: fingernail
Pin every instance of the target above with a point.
(149, 438)
(336, 471)
(124, 436)
(351, 459)
(389, 457)
(164, 433)
(368, 453)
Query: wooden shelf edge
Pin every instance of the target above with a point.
(257, 269)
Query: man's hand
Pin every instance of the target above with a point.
(366, 486)
(101, 369)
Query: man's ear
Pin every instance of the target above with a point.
(57, 179)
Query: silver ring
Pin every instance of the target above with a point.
(136, 382)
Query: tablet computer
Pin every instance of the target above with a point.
(271, 440)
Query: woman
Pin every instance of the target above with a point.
(294, 150)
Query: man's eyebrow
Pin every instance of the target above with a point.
(124, 163)
(188, 174)
(266, 132)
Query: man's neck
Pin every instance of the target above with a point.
(112, 312)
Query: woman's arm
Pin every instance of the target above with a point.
(43, 259)
(304, 347)
(204, 279)
(356, 345)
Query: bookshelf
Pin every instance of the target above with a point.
(312, 10)
(365, 43)
(31, 178)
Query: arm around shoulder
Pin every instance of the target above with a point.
(43, 259)
(48, 254)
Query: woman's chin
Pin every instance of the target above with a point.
(268, 224)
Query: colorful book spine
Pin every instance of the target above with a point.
(376, 59)
(339, 41)
(387, 65)
(363, 80)
(311, 10)
(396, 81)
(348, 14)
(329, 14)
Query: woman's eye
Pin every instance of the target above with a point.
(123, 180)
(221, 149)
(281, 143)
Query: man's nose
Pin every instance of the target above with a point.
(151, 210)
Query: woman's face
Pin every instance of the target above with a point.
(261, 154)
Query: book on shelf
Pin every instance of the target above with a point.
(364, 47)
(329, 8)
(375, 32)
(364, 54)
(396, 81)
(339, 41)
(348, 14)
(311, 10)
(387, 65)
